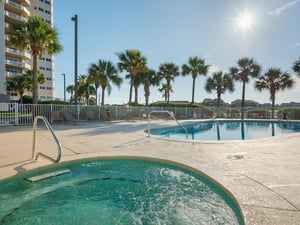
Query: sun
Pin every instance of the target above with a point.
(245, 22)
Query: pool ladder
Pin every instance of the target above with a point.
(44, 119)
(171, 114)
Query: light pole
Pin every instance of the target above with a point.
(75, 19)
(64, 86)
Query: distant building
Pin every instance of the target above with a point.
(291, 104)
(14, 62)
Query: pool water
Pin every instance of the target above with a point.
(117, 192)
(229, 130)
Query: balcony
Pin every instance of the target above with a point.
(6, 37)
(11, 74)
(18, 64)
(14, 16)
(17, 53)
(7, 26)
(15, 7)
(27, 66)
(23, 2)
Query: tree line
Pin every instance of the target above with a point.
(38, 37)
(104, 74)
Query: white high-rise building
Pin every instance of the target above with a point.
(14, 62)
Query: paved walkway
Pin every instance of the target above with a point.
(263, 174)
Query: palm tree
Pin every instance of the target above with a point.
(85, 89)
(150, 78)
(17, 84)
(296, 67)
(247, 68)
(168, 71)
(196, 66)
(29, 76)
(220, 83)
(133, 63)
(274, 80)
(37, 36)
(23, 83)
(70, 89)
(136, 83)
(166, 89)
(103, 74)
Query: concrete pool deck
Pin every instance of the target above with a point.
(263, 174)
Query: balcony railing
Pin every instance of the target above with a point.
(17, 6)
(7, 25)
(18, 64)
(17, 52)
(14, 16)
(11, 74)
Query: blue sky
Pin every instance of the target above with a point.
(173, 31)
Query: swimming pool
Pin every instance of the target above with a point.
(229, 130)
(117, 192)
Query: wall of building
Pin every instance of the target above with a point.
(2, 55)
(24, 8)
(44, 9)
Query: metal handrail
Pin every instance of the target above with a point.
(54, 136)
(172, 116)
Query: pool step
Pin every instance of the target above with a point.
(47, 175)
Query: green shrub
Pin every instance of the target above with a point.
(258, 114)
(229, 113)
(56, 102)
(26, 99)
(291, 113)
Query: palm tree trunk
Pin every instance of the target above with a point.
(147, 94)
(166, 95)
(35, 79)
(168, 91)
(218, 102)
(273, 105)
(96, 95)
(243, 101)
(193, 90)
(136, 92)
(130, 94)
(102, 96)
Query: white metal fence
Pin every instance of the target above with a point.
(23, 114)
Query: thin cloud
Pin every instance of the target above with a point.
(296, 45)
(212, 69)
(278, 11)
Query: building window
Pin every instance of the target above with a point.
(49, 78)
(42, 87)
(49, 88)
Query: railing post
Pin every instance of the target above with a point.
(54, 136)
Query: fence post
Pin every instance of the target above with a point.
(16, 108)
(186, 112)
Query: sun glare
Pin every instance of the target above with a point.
(245, 22)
